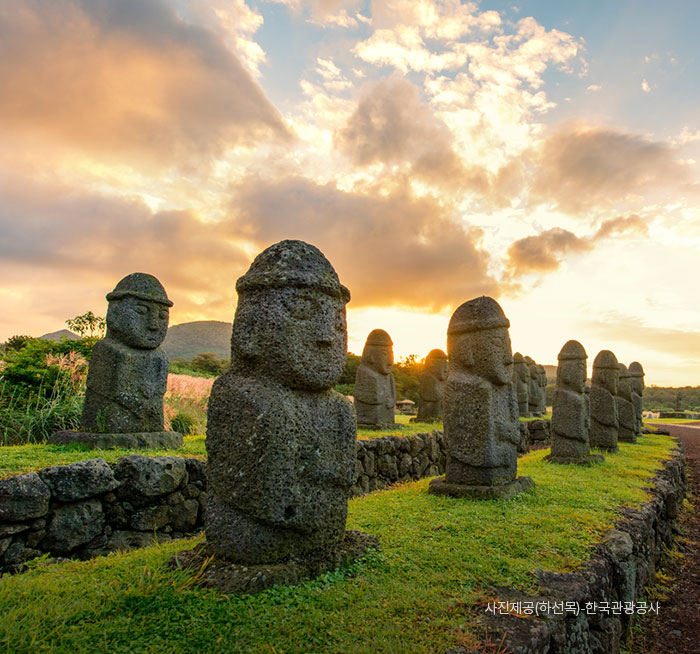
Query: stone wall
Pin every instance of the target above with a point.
(90, 508)
(391, 459)
(622, 564)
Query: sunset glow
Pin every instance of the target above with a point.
(540, 152)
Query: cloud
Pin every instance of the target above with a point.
(582, 167)
(129, 81)
(631, 330)
(594, 87)
(621, 225)
(391, 125)
(445, 19)
(325, 12)
(544, 252)
(84, 239)
(645, 86)
(389, 250)
(235, 23)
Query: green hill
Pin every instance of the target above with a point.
(62, 333)
(189, 339)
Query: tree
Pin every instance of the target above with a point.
(17, 342)
(208, 363)
(352, 363)
(88, 325)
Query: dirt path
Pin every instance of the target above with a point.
(676, 630)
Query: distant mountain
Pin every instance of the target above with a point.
(187, 340)
(62, 333)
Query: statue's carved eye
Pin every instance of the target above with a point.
(164, 314)
(141, 309)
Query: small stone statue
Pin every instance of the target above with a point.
(128, 372)
(637, 383)
(480, 407)
(375, 389)
(432, 383)
(542, 386)
(521, 379)
(625, 407)
(533, 395)
(570, 411)
(604, 417)
(280, 442)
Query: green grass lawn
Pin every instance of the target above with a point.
(671, 421)
(440, 557)
(18, 459)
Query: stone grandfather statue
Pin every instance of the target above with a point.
(625, 407)
(570, 410)
(521, 380)
(280, 442)
(375, 388)
(432, 384)
(637, 384)
(533, 395)
(542, 386)
(604, 418)
(480, 407)
(128, 371)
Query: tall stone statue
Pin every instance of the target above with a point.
(480, 407)
(533, 402)
(432, 383)
(280, 442)
(128, 371)
(521, 380)
(570, 411)
(375, 389)
(604, 418)
(637, 384)
(625, 407)
(542, 386)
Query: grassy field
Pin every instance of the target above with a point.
(672, 421)
(16, 460)
(440, 558)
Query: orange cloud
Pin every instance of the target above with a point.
(630, 329)
(129, 80)
(541, 253)
(389, 250)
(544, 252)
(83, 240)
(583, 167)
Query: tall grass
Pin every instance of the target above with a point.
(31, 417)
(186, 401)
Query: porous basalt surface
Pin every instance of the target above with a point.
(229, 577)
(91, 508)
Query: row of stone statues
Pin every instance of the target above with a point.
(375, 389)
(281, 442)
(530, 381)
(611, 413)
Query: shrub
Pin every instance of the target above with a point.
(184, 423)
(189, 395)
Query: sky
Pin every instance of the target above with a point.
(540, 152)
